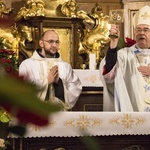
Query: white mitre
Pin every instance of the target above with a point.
(142, 16)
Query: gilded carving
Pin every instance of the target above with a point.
(69, 8)
(4, 10)
(95, 28)
(23, 35)
(6, 35)
(33, 8)
(99, 29)
(96, 32)
(6, 38)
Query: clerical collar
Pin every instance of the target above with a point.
(39, 52)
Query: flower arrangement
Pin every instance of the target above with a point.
(129, 42)
(8, 60)
(8, 64)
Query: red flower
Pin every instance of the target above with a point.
(8, 69)
(129, 42)
(2, 50)
(8, 60)
(10, 52)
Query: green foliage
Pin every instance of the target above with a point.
(21, 99)
(121, 43)
(4, 116)
(23, 95)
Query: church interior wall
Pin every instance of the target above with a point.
(87, 6)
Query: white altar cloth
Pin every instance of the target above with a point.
(89, 78)
(76, 124)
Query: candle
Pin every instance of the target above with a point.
(92, 61)
(109, 26)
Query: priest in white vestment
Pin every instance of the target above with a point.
(125, 73)
(55, 79)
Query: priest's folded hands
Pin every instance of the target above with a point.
(53, 75)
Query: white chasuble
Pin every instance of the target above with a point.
(144, 60)
(125, 89)
(36, 68)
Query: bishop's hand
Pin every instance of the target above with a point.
(114, 34)
(145, 70)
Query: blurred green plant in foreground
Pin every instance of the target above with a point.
(18, 98)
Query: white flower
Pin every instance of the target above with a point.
(2, 143)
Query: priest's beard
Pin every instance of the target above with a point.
(48, 54)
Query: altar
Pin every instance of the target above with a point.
(91, 98)
(78, 124)
(80, 130)
(86, 126)
(89, 78)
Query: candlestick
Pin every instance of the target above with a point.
(96, 46)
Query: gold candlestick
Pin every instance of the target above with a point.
(15, 47)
